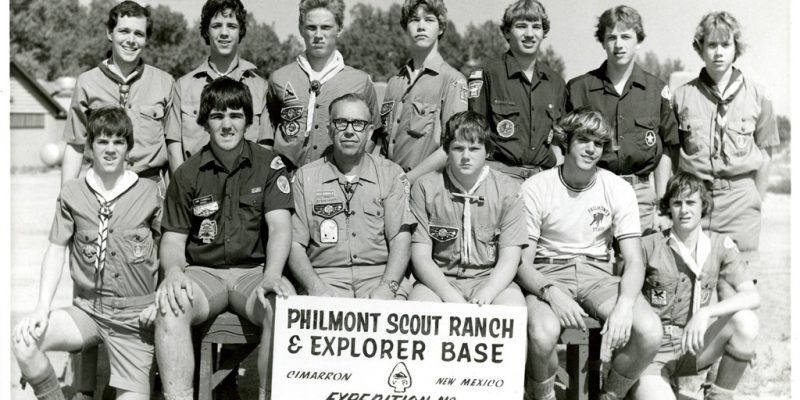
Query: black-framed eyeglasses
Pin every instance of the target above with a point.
(358, 124)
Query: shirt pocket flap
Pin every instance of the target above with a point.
(423, 108)
(154, 111)
(645, 122)
(505, 109)
(553, 114)
(373, 209)
(251, 199)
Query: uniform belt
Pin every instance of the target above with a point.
(726, 183)
(571, 260)
(636, 179)
(118, 301)
(523, 171)
(673, 330)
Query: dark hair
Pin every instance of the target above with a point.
(214, 7)
(627, 16)
(350, 98)
(336, 7)
(681, 183)
(582, 121)
(468, 126)
(435, 7)
(525, 10)
(129, 8)
(109, 121)
(224, 93)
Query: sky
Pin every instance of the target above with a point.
(669, 26)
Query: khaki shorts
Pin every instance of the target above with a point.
(115, 322)
(588, 282)
(670, 362)
(736, 212)
(358, 281)
(467, 286)
(646, 198)
(230, 288)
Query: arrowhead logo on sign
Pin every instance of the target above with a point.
(400, 378)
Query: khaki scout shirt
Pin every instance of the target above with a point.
(751, 127)
(669, 283)
(287, 103)
(497, 221)
(149, 106)
(521, 113)
(133, 231)
(187, 99)
(641, 116)
(222, 211)
(414, 113)
(337, 235)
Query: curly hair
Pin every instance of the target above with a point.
(214, 7)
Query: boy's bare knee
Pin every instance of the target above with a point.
(647, 329)
(543, 330)
(745, 325)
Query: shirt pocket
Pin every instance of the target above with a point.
(645, 135)
(373, 221)
(424, 117)
(189, 112)
(85, 246)
(137, 244)
(739, 137)
(445, 239)
(486, 245)
(554, 115)
(691, 136)
(151, 124)
(505, 117)
(660, 291)
(250, 211)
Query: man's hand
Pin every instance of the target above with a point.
(484, 295)
(148, 316)
(618, 325)
(31, 328)
(566, 309)
(321, 289)
(382, 292)
(695, 331)
(175, 293)
(272, 284)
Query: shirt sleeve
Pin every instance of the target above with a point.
(63, 227)
(625, 219)
(668, 127)
(732, 269)
(455, 98)
(173, 117)
(177, 206)
(479, 93)
(273, 105)
(766, 133)
(512, 225)
(156, 215)
(561, 102)
(75, 127)
(300, 233)
(420, 212)
(277, 191)
(372, 101)
(532, 207)
(396, 211)
(265, 131)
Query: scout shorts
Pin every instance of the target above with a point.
(589, 282)
(468, 286)
(670, 362)
(358, 281)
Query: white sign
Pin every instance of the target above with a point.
(353, 349)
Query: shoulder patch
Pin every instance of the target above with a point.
(729, 243)
(283, 184)
(288, 92)
(404, 181)
(477, 74)
(667, 95)
(277, 163)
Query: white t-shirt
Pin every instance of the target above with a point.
(568, 222)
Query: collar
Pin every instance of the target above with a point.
(703, 250)
(512, 67)
(135, 75)
(569, 187)
(365, 170)
(637, 77)
(129, 178)
(462, 190)
(434, 64)
(209, 160)
(243, 68)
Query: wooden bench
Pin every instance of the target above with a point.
(582, 370)
(226, 328)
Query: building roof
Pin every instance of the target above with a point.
(51, 103)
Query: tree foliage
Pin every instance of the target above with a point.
(784, 129)
(662, 70)
(374, 41)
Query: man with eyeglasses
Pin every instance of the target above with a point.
(351, 231)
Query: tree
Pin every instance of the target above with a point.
(784, 129)
(263, 48)
(452, 47)
(482, 44)
(651, 64)
(553, 60)
(374, 41)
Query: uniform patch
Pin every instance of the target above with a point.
(665, 93)
(288, 92)
(477, 74)
(283, 184)
(491, 251)
(550, 137)
(741, 141)
(464, 94)
(650, 138)
(138, 250)
(277, 163)
(255, 190)
(90, 250)
(204, 206)
(729, 244)
(207, 231)
(705, 296)
(386, 111)
(475, 88)
(325, 196)
(290, 117)
(406, 184)
(658, 297)
(328, 231)
(442, 233)
(505, 128)
(328, 210)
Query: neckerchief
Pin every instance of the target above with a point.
(235, 65)
(107, 202)
(696, 266)
(124, 84)
(709, 87)
(467, 246)
(318, 79)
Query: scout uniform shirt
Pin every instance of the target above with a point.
(711, 150)
(641, 116)
(146, 98)
(467, 233)
(187, 99)
(521, 113)
(673, 289)
(223, 211)
(568, 222)
(414, 113)
(341, 228)
(131, 254)
(287, 103)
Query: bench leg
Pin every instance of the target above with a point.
(204, 389)
(577, 365)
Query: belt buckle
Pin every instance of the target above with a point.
(671, 330)
(721, 184)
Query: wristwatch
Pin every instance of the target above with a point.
(543, 290)
(393, 285)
